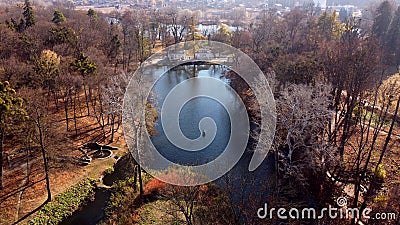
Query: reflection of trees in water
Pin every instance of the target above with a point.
(251, 103)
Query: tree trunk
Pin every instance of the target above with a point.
(1, 157)
(139, 168)
(66, 111)
(346, 124)
(76, 129)
(112, 127)
(372, 184)
(56, 100)
(388, 137)
(188, 220)
(135, 174)
(124, 52)
(87, 100)
(46, 165)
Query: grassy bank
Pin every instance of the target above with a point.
(64, 204)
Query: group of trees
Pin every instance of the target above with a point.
(52, 60)
(386, 28)
(57, 61)
(332, 109)
(327, 78)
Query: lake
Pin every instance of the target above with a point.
(241, 185)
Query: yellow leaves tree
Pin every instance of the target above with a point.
(329, 25)
(194, 32)
(47, 68)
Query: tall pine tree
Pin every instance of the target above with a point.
(58, 17)
(392, 45)
(382, 19)
(29, 16)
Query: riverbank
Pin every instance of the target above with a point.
(62, 184)
(163, 203)
(64, 204)
(93, 211)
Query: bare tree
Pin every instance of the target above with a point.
(178, 22)
(183, 200)
(303, 152)
(38, 110)
(351, 66)
(134, 114)
(112, 99)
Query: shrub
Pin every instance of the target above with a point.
(64, 204)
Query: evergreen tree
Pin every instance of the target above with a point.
(328, 25)
(85, 68)
(10, 107)
(28, 14)
(92, 14)
(392, 45)
(382, 20)
(58, 17)
(83, 65)
(114, 46)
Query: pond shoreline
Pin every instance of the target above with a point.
(93, 211)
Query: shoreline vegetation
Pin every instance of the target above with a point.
(65, 204)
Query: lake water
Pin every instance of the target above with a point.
(191, 114)
(247, 190)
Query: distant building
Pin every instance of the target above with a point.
(346, 11)
(321, 3)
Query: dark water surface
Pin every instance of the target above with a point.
(91, 213)
(191, 114)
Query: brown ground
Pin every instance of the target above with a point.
(64, 170)
(388, 202)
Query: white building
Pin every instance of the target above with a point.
(321, 3)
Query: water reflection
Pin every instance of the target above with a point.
(191, 114)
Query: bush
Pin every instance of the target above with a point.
(381, 198)
(109, 170)
(380, 172)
